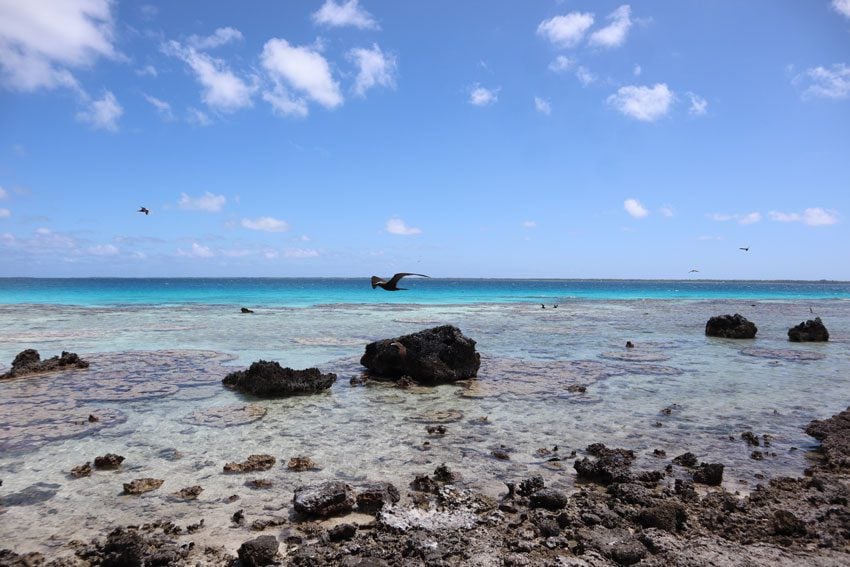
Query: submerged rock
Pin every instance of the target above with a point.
(189, 493)
(142, 485)
(709, 473)
(81, 471)
(730, 327)
(29, 362)
(812, 330)
(264, 378)
(325, 499)
(252, 464)
(432, 356)
(301, 464)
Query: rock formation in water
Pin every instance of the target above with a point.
(269, 379)
(29, 362)
(325, 499)
(812, 330)
(730, 327)
(433, 356)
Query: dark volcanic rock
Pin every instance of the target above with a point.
(668, 516)
(246, 310)
(375, 496)
(432, 356)
(189, 493)
(612, 465)
(686, 460)
(548, 498)
(253, 464)
(109, 461)
(730, 327)
(834, 435)
(325, 499)
(342, 532)
(265, 378)
(812, 330)
(709, 473)
(29, 362)
(259, 551)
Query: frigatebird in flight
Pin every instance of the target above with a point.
(392, 283)
(745, 249)
(144, 210)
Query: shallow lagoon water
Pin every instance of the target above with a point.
(155, 381)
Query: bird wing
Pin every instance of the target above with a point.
(395, 279)
(376, 280)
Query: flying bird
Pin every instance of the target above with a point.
(745, 249)
(144, 210)
(692, 271)
(392, 283)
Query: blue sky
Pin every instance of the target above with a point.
(574, 138)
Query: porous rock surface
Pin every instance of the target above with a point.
(29, 362)
(812, 330)
(432, 356)
(269, 379)
(731, 327)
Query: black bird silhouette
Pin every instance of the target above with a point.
(745, 249)
(692, 271)
(392, 283)
(144, 210)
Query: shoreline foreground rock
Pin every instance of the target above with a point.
(731, 327)
(269, 379)
(29, 362)
(812, 330)
(432, 356)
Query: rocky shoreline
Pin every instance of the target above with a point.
(616, 516)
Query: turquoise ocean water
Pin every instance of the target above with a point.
(159, 348)
(316, 291)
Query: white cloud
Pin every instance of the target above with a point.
(749, 218)
(3, 193)
(833, 82)
(584, 76)
(221, 36)
(103, 250)
(198, 118)
(148, 11)
(162, 107)
(614, 34)
(282, 103)
(39, 41)
(207, 202)
(302, 69)
(842, 7)
(542, 106)
(266, 224)
(300, 253)
(102, 113)
(398, 226)
(147, 70)
(197, 251)
(223, 90)
(348, 14)
(813, 217)
(635, 208)
(567, 30)
(699, 106)
(374, 68)
(637, 70)
(643, 103)
(720, 217)
(561, 63)
(667, 211)
(5, 213)
(481, 96)
(529, 224)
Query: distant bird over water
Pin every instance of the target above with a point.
(692, 271)
(745, 249)
(144, 210)
(392, 283)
